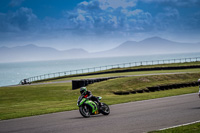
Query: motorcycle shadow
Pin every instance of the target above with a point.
(196, 108)
(93, 116)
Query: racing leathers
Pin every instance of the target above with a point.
(88, 95)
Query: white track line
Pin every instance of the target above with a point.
(180, 125)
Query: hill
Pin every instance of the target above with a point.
(149, 46)
(34, 53)
(154, 45)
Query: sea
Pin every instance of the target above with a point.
(13, 73)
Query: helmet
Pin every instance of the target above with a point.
(83, 90)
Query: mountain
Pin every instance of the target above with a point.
(34, 53)
(149, 46)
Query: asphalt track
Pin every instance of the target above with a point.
(133, 117)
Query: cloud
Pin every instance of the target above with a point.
(104, 4)
(176, 2)
(102, 19)
(15, 3)
(99, 17)
(22, 19)
(167, 19)
(191, 23)
(108, 16)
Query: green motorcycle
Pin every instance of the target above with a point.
(88, 107)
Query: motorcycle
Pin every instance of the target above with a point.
(88, 107)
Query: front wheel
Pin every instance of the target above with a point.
(105, 110)
(84, 111)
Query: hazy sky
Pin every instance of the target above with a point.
(96, 25)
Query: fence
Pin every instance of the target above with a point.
(123, 65)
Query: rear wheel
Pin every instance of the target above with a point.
(105, 110)
(84, 111)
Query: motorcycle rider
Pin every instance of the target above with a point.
(88, 94)
(199, 86)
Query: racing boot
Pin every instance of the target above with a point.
(100, 105)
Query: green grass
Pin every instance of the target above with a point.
(193, 128)
(21, 101)
(138, 83)
(33, 100)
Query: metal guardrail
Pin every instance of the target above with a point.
(100, 68)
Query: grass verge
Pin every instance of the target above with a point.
(140, 83)
(21, 101)
(193, 128)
